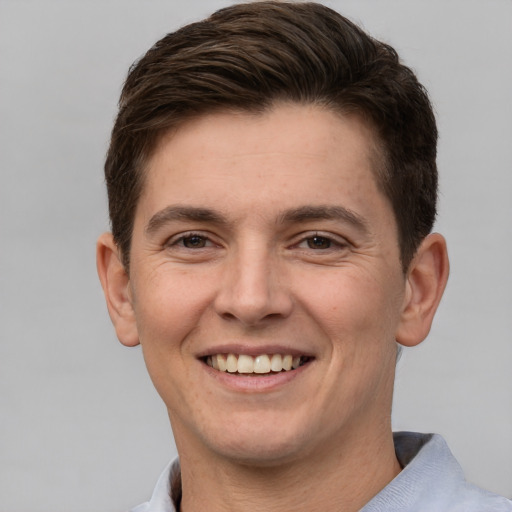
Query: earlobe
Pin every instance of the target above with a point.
(426, 280)
(115, 283)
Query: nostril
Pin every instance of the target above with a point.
(228, 316)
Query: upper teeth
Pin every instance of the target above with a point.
(263, 363)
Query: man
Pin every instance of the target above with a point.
(272, 190)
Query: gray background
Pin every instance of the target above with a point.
(81, 427)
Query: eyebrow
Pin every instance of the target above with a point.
(185, 213)
(325, 212)
(306, 213)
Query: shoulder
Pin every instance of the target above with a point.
(432, 481)
(474, 499)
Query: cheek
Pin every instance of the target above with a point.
(168, 306)
(355, 310)
(169, 310)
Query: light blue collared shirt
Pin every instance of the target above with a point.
(431, 481)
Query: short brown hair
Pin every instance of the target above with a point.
(250, 56)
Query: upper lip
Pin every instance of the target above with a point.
(252, 350)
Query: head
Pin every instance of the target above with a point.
(272, 183)
(247, 58)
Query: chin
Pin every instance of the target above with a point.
(259, 453)
(258, 443)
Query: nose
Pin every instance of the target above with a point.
(253, 290)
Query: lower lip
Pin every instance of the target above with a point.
(256, 383)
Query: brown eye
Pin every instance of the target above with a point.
(194, 242)
(319, 242)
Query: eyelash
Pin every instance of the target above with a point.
(333, 242)
(179, 241)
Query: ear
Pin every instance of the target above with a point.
(425, 283)
(115, 283)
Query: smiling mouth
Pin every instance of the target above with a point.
(263, 364)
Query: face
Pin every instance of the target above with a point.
(262, 242)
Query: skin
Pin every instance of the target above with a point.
(297, 251)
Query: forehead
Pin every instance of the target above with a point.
(288, 156)
(306, 125)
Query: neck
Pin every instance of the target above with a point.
(344, 478)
